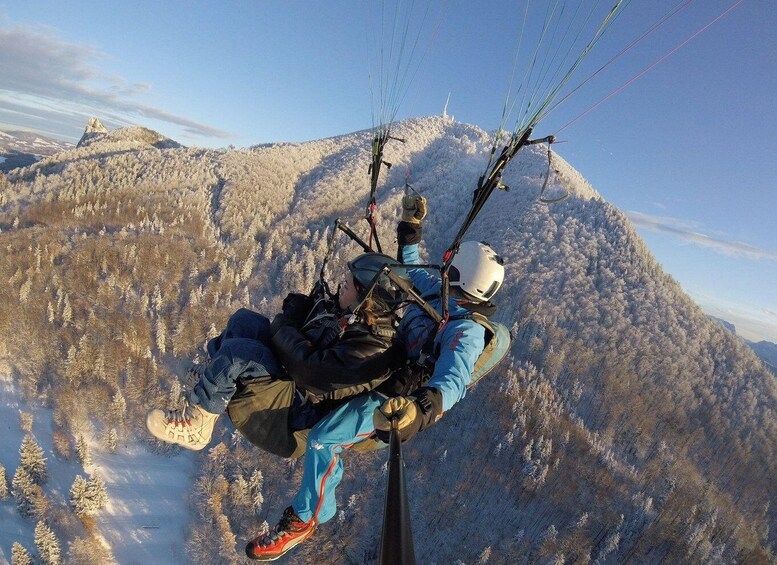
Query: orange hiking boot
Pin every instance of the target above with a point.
(289, 533)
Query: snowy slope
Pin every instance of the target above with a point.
(146, 516)
(21, 148)
(26, 142)
(61, 473)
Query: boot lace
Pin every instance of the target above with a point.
(180, 417)
(286, 525)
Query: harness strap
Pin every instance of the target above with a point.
(430, 351)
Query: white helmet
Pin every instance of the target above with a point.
(477, 270)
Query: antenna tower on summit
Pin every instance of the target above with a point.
(445, 110)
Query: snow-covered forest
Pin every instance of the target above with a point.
(624, 427)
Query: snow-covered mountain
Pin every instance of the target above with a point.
(625, 427)
(96, 133)
(22, 148)
(728, 325)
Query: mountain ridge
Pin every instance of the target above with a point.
(23, 148)
(97, 134)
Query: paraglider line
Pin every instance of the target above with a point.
(625, 50)
(651, 67)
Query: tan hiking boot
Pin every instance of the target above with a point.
(190, 427)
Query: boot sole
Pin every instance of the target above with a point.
(278, 556)
(161, 436)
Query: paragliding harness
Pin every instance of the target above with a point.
(497, 344)
(417, 373)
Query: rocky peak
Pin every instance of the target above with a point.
(95, 126)
(94, 130)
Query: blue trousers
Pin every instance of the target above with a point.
(241, 351)
(334, 433)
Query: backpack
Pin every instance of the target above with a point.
(415, 373)
(498, 341)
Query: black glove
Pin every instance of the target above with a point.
(296, 308)
(409, 233)
(410, 229)
(430, 401)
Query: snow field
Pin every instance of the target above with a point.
(147, 513)
(146, 516)
(14, 528)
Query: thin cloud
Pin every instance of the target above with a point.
(40, 72)
(685, 231)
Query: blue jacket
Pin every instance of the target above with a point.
(460, 343)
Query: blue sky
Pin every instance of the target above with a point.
(688, 150)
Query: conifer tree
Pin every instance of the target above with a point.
(4, 492)
(25, 421)
(32, 460)
(67, 312)
(226, 537)
(118, 407)
(19, 555)
(161, 335)
(176, 392)
(239, 492)
(156, 300)
(83, 451)
(484, 556)
(112, 441)
(255, 484)
(78, 495)
(88, 497)
(48, 546)
(97, 494)
(24, 490)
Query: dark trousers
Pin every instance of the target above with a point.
(244, 378)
